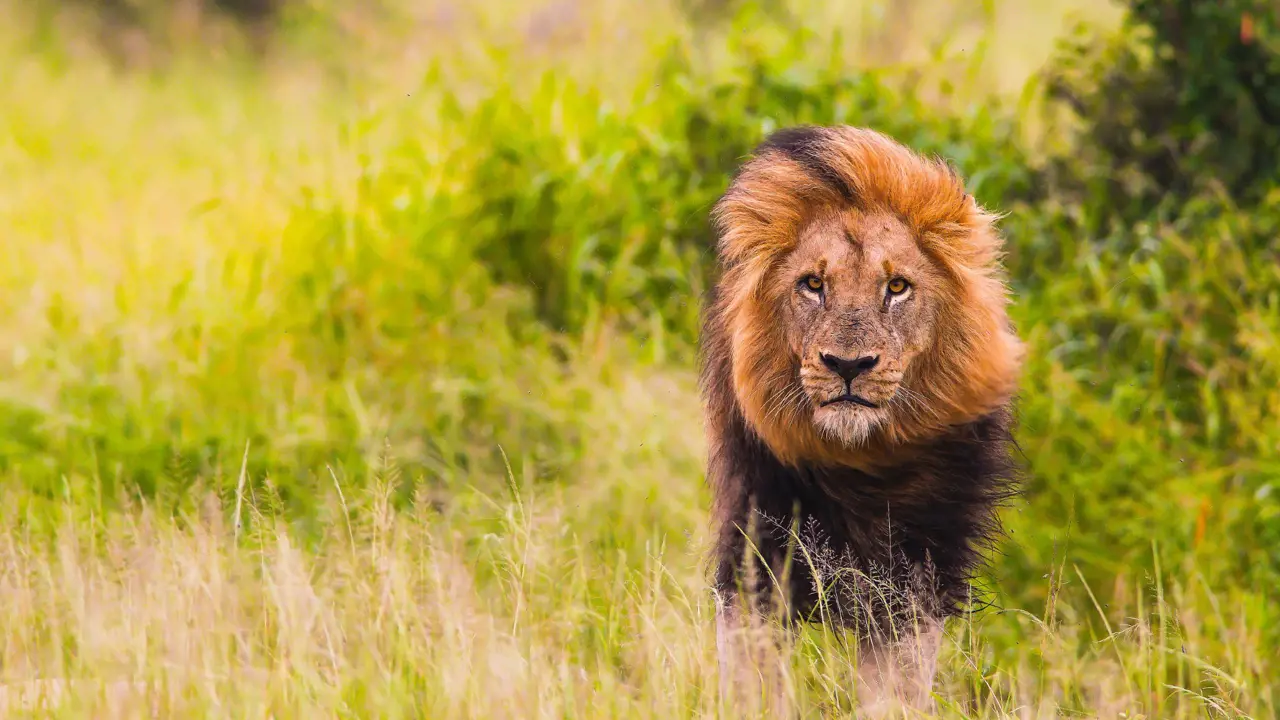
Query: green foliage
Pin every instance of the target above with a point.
(605, 213)
(1185, 99)
(151, 13)
(1146, 265)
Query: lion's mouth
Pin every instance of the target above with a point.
(851, 398)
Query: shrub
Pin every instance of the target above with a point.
(604, 213)
(1185, 99)
(1146, 269)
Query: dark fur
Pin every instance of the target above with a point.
(920, 527)
(803, 143)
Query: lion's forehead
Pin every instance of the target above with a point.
(858, 251)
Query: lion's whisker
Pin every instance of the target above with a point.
(793, 395)
(780, 401)
(909, 399)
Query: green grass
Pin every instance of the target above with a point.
(361, 383)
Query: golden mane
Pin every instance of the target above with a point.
(972, 366)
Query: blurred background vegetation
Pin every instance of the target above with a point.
(446, 248)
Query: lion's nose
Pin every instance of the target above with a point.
(848, 369)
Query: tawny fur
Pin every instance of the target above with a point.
(904, 490)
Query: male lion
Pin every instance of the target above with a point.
(858, 370)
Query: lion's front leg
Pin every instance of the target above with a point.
(900, 675)
(752, 663)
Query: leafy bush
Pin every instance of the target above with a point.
(1146, 262)
(605, 213)
(1184, 100)
(141, 12)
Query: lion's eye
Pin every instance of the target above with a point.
(897, 286)
(812, 282)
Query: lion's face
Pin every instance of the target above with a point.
(859, 305)
(862, 303)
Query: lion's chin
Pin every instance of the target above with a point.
(847, 423)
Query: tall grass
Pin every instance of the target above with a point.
(360, 382)
(524, 605)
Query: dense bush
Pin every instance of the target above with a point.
(140, 12)
(1185, 100)
(605, 212)
(137, 34)
(1148, 259)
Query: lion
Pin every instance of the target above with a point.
(858, 375)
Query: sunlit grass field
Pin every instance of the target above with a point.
(356, 379)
